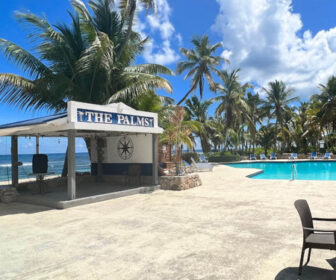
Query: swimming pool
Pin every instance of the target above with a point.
(307, 170)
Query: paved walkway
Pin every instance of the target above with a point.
(232, 227)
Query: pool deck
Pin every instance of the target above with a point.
(232, 227)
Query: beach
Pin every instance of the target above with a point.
(231, 227)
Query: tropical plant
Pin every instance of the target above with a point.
(265, 137)
(256, 114)
(78, 62)
(178, 131)
(231, 99)
(278, 97)
(198, 111)
(128, 10)
(201, 63)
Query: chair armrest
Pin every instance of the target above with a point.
(325, 219)
(321, 230)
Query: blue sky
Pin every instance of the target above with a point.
(294, 41)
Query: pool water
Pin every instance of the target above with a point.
(308, 170)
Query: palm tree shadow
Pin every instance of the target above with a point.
(308, 273)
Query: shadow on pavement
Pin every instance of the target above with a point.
(309, 273)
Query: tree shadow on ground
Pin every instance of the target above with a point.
(20, 208)
(309, 273)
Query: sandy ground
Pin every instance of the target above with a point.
(232, 227)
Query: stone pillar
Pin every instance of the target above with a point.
(155, 159)
(71, 164)
(15, 159)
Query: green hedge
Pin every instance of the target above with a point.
(187, 157)
(223, 157)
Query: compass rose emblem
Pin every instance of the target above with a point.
(125, 147)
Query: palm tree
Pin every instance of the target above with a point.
(77, 62)
(128, 8)
(328, 100)
(277, 101)
(198, 111)
(231, 100)
(256, 114)
(202, 62)
(265, 137)
(178, 131)
(216, 131)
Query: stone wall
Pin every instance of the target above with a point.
(8, 194)
(180, 183)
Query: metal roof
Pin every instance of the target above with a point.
(35, 121)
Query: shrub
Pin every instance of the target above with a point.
(223, 157)
(187, 157)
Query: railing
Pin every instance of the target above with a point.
(294, 171)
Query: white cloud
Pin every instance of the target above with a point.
(159, 50)
(163, 54)
(262, 37)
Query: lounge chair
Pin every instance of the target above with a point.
(313, 238)
(201, 166)
(293, 156)
(203, 158)
(262, 156)
(327, 156)
(252, 157)
(273, 156)
(313, 155)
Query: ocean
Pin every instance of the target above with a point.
(56, 162)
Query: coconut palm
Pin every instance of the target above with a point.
(256, 114)
(76, 62)
(231, 99)
(198, 110)
(201, 63)
(178, 131)
(328, 100)
(128, 8)
(278, 97)
(265, 137)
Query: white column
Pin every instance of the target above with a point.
(71, 164)
(155, 160)
(15, 159)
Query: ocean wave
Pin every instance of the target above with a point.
(9, 164)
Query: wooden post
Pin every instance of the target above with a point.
(71, 164)
(155, 173)
(15, 159)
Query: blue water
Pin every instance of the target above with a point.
(56, 162)
(311, 170)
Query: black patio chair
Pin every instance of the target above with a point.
(313, 238)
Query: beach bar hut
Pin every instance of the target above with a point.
(120, 137)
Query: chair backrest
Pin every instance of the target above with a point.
(303, 209)
(327, 155)
(294, 154)
(272, 154)
(192, 160)
(314, 154)
(252, 156)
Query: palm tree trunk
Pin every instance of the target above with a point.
(132, 10)
(185, 97)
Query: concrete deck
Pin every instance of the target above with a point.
(232, 227)
(86, 193)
